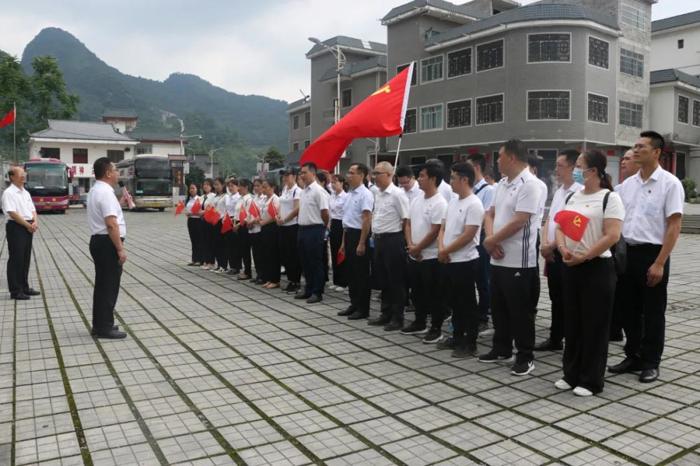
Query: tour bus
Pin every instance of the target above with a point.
(148, 178)
(48, 183)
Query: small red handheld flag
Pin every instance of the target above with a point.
(572, 224)
(253, 210)
(242, 215)
(340, 257)
(196, 207)
(9, 118)
(227, 224)
(211, 216)
(272, 209)
(179, 208)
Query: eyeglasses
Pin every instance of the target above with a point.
(376, 173)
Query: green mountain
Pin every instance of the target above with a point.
(222, 117)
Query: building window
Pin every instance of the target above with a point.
(307, 143)
(696, 112)
(414, 78)
(431, 69)
(597, 108)
(144, 149)
(680, 165)
(431, 118)
(631, 63)
(295, 146)
(418, 160)
(295, 122)
(598, 52)
(115, 155)
(548, 105)
(307, 118)
(683, 108)
(548, 48)
(409, 123)
(347, 97)
(681, 43)
(634, 16)
(459, 63)
(459, 114)
(489, 56)
(489, 109)
(80, 156)
(50, 153)
(631, 114)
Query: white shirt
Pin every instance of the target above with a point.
(521, 194)
(265, 211)
(336, 204)
(231, 203)
(543, 201)
(359, 200)
(242, 203)
(424, 213)
(461, 213)
(557, 204)
(390, 210)
(484, 192)
(207, 200)
(18, 200)
(103, 203)
(446, 190)
(259, 200)
(591, 206)
(649, 205)
(414, 192)
(287, 199)
(314, 199)
(219, 203)
(190, 204)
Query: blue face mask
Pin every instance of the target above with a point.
(578, 176)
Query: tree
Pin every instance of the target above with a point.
(48, 91)
(274, 158)
(195, 176)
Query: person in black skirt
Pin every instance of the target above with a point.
(241, 228)
(337, 201)
(269, 241)
(220, 239)
(207, 229)
(194, 224)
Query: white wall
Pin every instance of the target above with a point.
(160, 148)
(662, 106)
(95, 151)
(666, 54)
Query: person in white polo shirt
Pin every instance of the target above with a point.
(511, 237)
(653, 200)
(407, 181)
(108, 230)
(444, 187)
(19, 231)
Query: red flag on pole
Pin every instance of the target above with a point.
(271, 209)
(179, 208)
(227, 224)
(572, 224)
(253, 210)
(196, 207)
(211, 216)
(379, 115)
(9, 118)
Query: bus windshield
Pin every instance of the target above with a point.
(153, 187)
(47, 179)
(152, 168)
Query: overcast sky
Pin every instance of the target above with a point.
(244, 46)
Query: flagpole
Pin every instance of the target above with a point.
(398, 148)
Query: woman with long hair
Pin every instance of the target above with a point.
(207, 229)
(269, 236)
(254, 228)
(336, 202)
(194, 224)
(587, 227)
(220, 246)
(289, 230)
(241, 210)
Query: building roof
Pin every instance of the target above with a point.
(676, 21)
(150, 136)
(84, 130)
(538, 11)
(299, 103)
(672, 75)
(354, 68)
(357, 45)
(125, 113)
(470, 12)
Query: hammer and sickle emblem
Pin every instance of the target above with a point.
(577, 221)
(386, 90)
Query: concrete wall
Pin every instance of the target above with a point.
(302, 133)
(685, 132)
(95, 151)
(666, 54)
(663, 114)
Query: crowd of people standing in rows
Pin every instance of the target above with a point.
(468, 250)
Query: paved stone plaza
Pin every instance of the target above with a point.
(215, 371)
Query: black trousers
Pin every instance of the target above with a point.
(390, 261)
(513, 302)
(483, 278)
(244, 250)
(617, 321)
(357, 268)
(289, 253)
(209, 240)
(194, 228)
(19, 246)
(589, 290)
(232, 246)
(339, 271)
(310, 245)
(424, 280)
(269, 250)
(645, 307)
(255, 245)
(458, 279)
(108, 273)
(556, 296)
(220, 246)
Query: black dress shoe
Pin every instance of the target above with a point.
(111, 335)
(358, 315)
(19, 296)
(302, 295)
(259, 281)
(393, 326)
(649, 375)
(626, 365)
(379, 321)
(314, 298)
(548, 345)
(32, 292)
(291, 287)
(349, 311)
(93, 332)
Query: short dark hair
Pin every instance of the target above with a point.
(233, 181)
(322, 176)
(270, 182)
(478, 159)
(404, 171)
(244, 183)
(362, 168)
(208, 181)
(465, 170)
(657, 141)
(433, 171)
(533, 161)
(517, 148)
(313, 168)
(439, 164)
(571, 156)
(100, 167)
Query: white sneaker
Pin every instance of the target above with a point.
(561, 384)
(214, 269)
(580, 391)
(221, 270)
(205, 267)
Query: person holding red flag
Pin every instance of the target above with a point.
(241, 227)
(289, 230)
(269, 236)
(587, 227)
(208, 231)
(253, 221)
(232, 242)
(194, 224)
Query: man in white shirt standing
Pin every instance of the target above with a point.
(443, 186)
(564, 169)
(20, 228)
(108, 230)
(407, 181)
(653, 200)
(511, 236)
(388, 221)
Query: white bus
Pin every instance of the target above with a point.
(148, 178)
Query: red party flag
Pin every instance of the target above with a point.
(227, 224)
(379, 115)
(9, 118)
(211, 216)
(340, 257)
(271, 209)
(196, 207)
(572, 224)
(242, 215)
(253, 210)
(179, 208)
